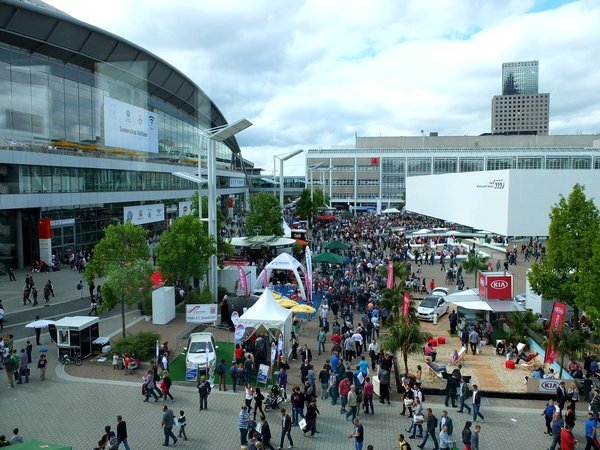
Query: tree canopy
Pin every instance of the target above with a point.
(306, 207)
(184, 250)
(474, 263)
(564, 273)
(224, 248)
(265, 213)
(131, 284)
(122, 244)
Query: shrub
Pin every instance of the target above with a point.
(142, 344)
(198, 297)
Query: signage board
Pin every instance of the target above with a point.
(131, 127)
(141, 214)
(240, 329)
(263, 374)
(201, 313)
(496, 285)
(185, 208)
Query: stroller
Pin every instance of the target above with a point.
(274, 399)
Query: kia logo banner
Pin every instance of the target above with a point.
(499, 284)
(496, 286)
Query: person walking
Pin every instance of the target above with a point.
(384, 385)
(243, 423)
(557, 425)
(466, 435)
(11, 274)
(352, 403)
(165, 386)
(38, 333)
(265, 433)
(168, 420)
(548, 414)
(42, 363)
(311, 418)
(475, 438)
(148, 386)
(431, 423)
(23, 367)
(464, 394)
(222, 373)
(368, 390)
(182, 422)
(358, 434)
(590, 432)
(477, 404)
(203, 392)
(286, 428)
(122, 432)
(258, 402)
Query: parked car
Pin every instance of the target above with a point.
(201, 355)
(440, 291)
(431, 305)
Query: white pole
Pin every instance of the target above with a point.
(212, 214)
(281, 182)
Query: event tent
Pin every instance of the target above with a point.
(266, 312)
(283, 262)
(470, 299)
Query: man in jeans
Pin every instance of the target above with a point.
(122, 432)
(168, 420)
(477, 404)
(286, 428)
(464, 394)
(432, 423)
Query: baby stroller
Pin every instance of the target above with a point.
(274, 399)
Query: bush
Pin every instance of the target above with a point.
(198, 297)
(142, 344)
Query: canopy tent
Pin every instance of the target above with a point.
(391, 211)
(470, 299)
(336, 245)
(287, 231)
(330, 258)
(266, 312)
(283, 262)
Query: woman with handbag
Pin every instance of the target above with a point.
(418, 420)
(407, 401)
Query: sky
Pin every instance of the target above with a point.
(316, 73)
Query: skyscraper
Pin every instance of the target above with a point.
(520, 109)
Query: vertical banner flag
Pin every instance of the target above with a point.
(309, 273)
(243, 280)
(390, 275)
(157, 350)
(240, 329)
(406, 305)
(273, 353)
(557, 321)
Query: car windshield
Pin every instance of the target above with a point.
(429, 303)
(200, 347)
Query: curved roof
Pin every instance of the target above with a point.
(41, 29)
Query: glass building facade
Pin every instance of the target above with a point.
(520, 77)
(89, 124)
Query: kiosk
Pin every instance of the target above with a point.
(76, 334)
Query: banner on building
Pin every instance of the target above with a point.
(557, 320)
(185, 208)
(141, 214)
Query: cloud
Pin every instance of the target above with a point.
(311, 74)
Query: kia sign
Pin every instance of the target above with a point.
(496, 285)
(549, 385)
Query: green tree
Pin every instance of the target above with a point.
(224, 248)
(567, 342)
(129, 284)
(307, 207)
(265, 213)
(587, 289)
(404, 337)
(574, 227)
(184, 250)
(520, 323)
(122, 244)
(473, 264)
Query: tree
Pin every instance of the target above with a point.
(184, 250)
(130, 284)
(520, 323)
(122, 244)
(120, 256)
(574, 227)
(392, 300)
(224, 249)
(474, 263)
(567, 342)
(307, 207)
(404, 337)
(265, 213)
(587, 289)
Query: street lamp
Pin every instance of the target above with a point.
(214, 135)
(281, 159)
(312, 168)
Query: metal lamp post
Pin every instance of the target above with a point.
(281, 159)
(312, 168)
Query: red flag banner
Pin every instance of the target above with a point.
(557, 321)
(390, 275)
(243, 280)
(406, 305)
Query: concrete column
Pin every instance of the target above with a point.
(19, 239)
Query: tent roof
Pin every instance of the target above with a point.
(285, 262)
(265, 311)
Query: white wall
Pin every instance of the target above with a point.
(507, 202)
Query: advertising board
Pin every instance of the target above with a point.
(141, 214)
(201, 313)
(131, 127)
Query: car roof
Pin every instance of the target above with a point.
(201, 337)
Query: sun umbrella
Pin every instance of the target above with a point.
(277, 295)
(303, 309)
(330, 258)
(336, 245)
(287, 303)
(42, 323)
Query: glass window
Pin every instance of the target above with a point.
(471, 164)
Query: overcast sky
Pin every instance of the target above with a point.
(314, 73)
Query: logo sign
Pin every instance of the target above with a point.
(201, 313)
(549, 385)
(235, 318)
(191, 373)
(498, 287)
(263, 374)
(499, 284)
(240, 329)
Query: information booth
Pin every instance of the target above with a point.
(76, 334)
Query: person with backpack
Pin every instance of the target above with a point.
(431, 425)
(402, 444)
(222, 373)
(111, 438)
(233, 373)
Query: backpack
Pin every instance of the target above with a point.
(113, 442)
(221, 369)
(407, 445)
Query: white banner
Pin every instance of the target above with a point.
(131, 127)
(308, 255)
(240, 329)
(185, 208)
(263, 374)
(201, 313)
(142, 214)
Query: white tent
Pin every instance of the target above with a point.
(283, 262)
(470, 299)
(268, 313)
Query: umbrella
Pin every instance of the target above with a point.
(42, 323)
(336, 245)
(330, 258)
(390, 211)
(287, 303)
(303, 309)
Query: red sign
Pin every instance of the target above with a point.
(44, 231)
(496, 286)
(390, 277)
(374, 161)
(557, 321)
(406, 305)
